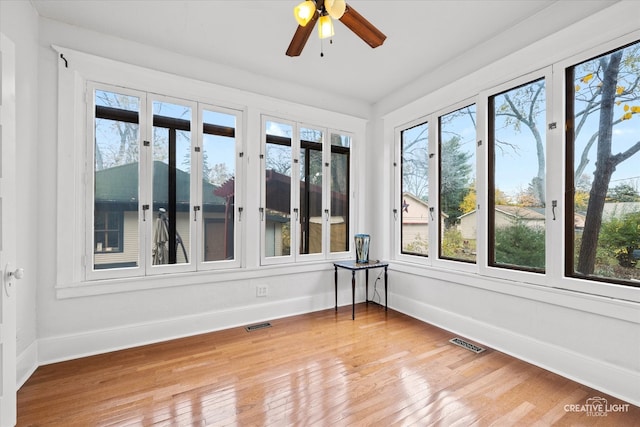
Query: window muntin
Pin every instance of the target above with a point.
(339, 190)
(116, 171)
(457, 196)
(415, 212)
(517, 177)
(603, 198)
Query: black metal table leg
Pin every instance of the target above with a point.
(353, 295)
(366, 295)
(385, 289)
(336, 282)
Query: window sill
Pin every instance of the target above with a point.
(131, 284)
(559, 294)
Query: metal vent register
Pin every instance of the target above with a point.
(465, 344)
(258, 326)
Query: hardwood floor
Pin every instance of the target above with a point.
(382, 369)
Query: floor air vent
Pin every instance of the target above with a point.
(258, 326)
(465, 344)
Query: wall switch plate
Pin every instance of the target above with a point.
(262, 290)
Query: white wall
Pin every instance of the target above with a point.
(591, 334)
(19, 21)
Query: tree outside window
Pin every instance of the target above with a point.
(603, 140)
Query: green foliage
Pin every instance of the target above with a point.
(455, 172)
(623, 193)
(452, 242)
(620, 236)
(520, 245)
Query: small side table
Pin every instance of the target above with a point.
(355, 266)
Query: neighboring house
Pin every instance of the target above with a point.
(535, 217)
(116, 215)
(616, 210)
(415, 218)
(504, 216)
(278, 216)
(610, 210)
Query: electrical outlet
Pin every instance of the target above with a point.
(262, 290)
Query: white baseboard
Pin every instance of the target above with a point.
(600, 375)
(26, 364)
(68, 347)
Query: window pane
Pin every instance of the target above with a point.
(414, 210)
(278, 171)
(340, 158)
(311, 221)
(116, 172)
(458, 184)
(171, 183)
(604, 206)
(517, 178)
(218, 185)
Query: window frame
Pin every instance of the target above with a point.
(146, 217)
(439, 260)
(295, 255)
(551, 135)
(239, 185)
(561, 279)
(89, 271)
(565, 68)
(398, 194)
(349, 152)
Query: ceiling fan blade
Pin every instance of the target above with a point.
(301, 36)
(363, 28)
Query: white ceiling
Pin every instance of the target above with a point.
(422, 36)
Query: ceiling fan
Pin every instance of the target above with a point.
(309, 12)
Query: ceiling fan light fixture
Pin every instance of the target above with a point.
(325, 27)
(304, 12)
(335, 8)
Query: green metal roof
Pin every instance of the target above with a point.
(119, 184)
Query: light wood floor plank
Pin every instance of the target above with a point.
(317, 369)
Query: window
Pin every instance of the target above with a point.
(517, 177)
(116, 172)
(171, 183)
(108, 231)
(218, 194)
(278, 171)
(339, 219)
(312, 220)
(603, 163)
(163, 194)
(457, 139)
(311, 223)
(415, 212)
